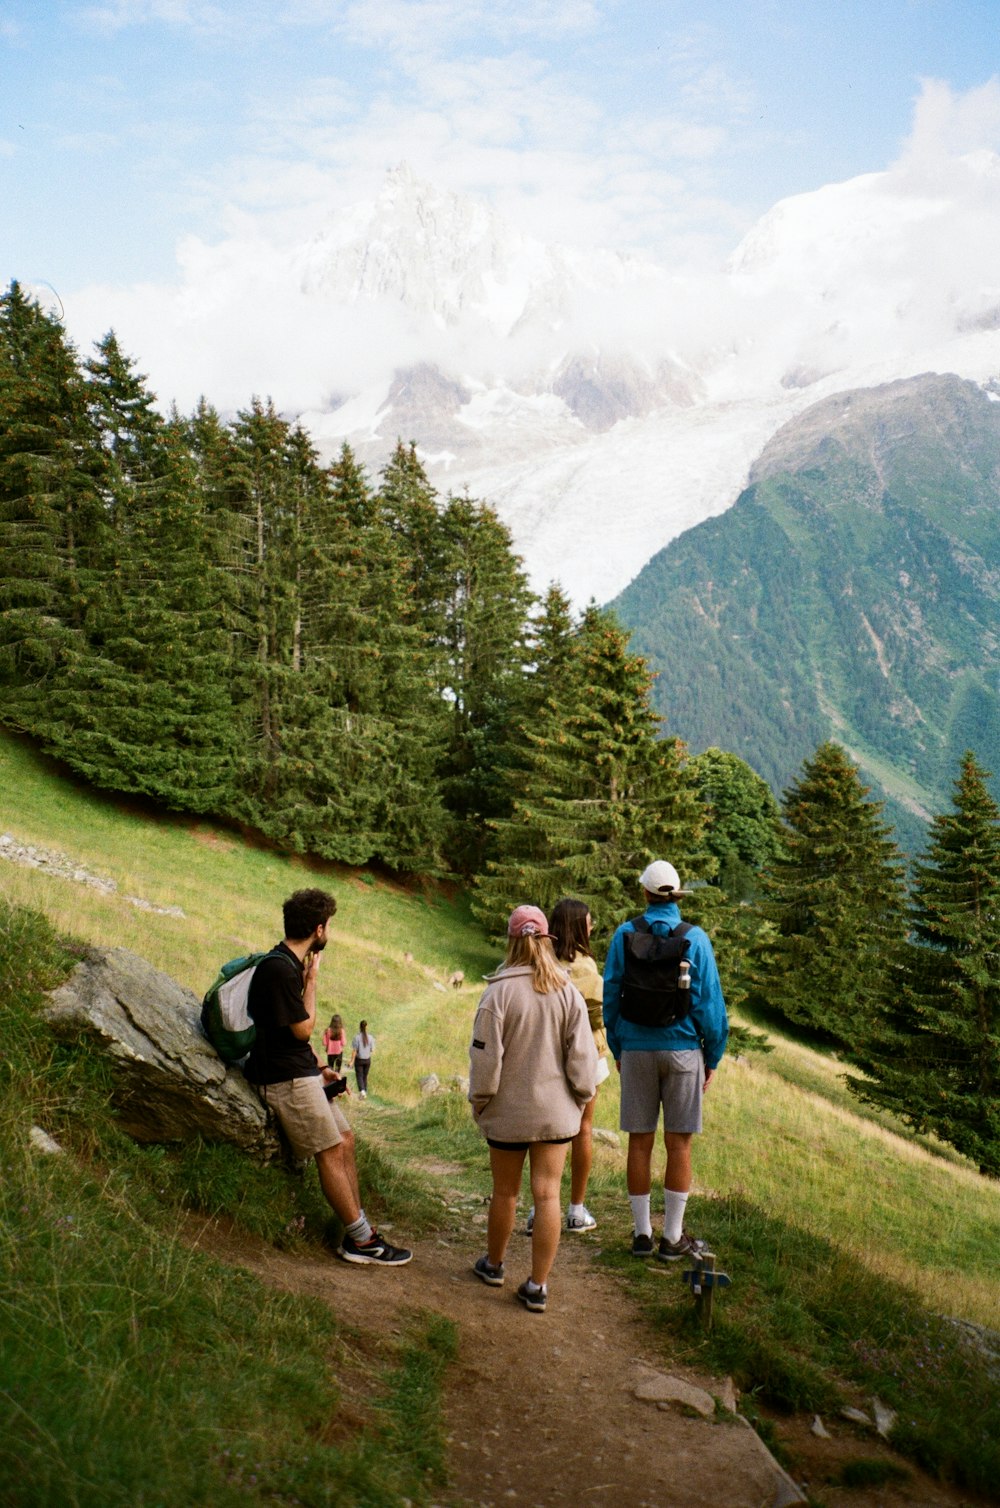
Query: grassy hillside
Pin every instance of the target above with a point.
(851, 592)
(783, 1129)
(841, 1233)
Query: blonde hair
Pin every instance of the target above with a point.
(536, 953)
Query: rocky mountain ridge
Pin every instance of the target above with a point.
(853, 591)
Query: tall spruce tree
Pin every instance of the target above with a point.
(933, 1057)
(149, 705)
(374, 710)
(54, 530)
(267, 486)
(834, 898)
(485, 630)
(598, 793)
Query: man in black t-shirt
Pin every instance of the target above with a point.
(287, 1074)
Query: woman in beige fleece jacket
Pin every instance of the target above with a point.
(532, 1069)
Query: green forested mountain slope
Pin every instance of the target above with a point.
(852, 591)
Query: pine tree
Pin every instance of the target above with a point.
(374, 720)
(598, 793)
(266, 493)
(934, 1056)
(834, 898)
(54, 531)
(145, 705)
(485, 628)
(411, 509)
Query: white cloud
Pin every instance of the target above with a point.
(948, 124)
(406, 25)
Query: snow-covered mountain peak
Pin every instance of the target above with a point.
(452, 257)
(601, 402)
(611, 388)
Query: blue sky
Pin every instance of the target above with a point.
(129, 125)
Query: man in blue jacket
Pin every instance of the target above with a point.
(669, 1066)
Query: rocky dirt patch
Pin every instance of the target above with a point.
(51, 861)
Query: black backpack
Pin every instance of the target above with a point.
(656, 984)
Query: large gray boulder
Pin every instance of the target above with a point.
(169, 1083)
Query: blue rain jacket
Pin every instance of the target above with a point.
(706, 1027)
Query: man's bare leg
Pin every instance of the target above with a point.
(338, 1179)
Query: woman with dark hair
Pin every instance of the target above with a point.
(570, 927)
(362, 1049)
(334, 1042)
(532, 1069)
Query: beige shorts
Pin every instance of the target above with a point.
(309, 1120)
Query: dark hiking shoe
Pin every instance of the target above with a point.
(533, 1298)
(687, 1246)
(376, 1250)
(485, 1269)
(642, 1246)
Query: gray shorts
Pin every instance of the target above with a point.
(674, 1080)
(309, 1120)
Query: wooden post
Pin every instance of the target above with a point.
(708, 1289)
(704, 1279)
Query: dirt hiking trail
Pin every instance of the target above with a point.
(540, 1409)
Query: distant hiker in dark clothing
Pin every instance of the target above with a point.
(362, 1052)
(287, 1074)
(668, 1065)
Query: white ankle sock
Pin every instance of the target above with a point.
(359, 1229)
(673, 1215)
(575, 1212)
(641, 1222)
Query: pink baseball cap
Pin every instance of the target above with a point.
(527, 921)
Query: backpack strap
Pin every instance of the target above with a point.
(276, 952)
(640, 924)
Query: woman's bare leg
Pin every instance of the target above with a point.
(582, 1155)
(506, 1167)
(547, 1163)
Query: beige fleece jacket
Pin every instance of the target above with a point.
(584, 973)
(532, 1063)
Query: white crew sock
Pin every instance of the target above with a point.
(359, 1229)
(641, 1223)
(673, 1215)
(575, 1212)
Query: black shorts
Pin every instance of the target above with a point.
(522, 1146)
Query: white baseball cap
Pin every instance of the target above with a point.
(661, 878)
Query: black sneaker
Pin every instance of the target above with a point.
(642, 1246)
(533, 1298)
(687, 1246)
(485, 1269)
(376, 1249)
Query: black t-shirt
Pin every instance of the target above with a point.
(275, 1002)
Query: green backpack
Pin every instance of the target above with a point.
(225, 1019)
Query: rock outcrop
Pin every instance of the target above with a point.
(169, 1083)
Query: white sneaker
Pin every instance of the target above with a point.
(363, 1094)
(585, 1221)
